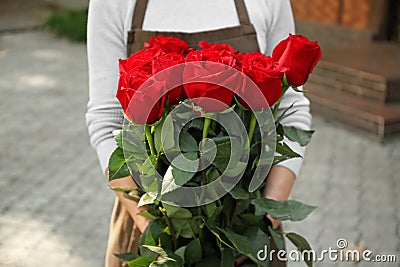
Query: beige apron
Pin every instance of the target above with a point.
(123, 234)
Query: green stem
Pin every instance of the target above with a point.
(233, 218)
(207, 122)
(252, 127)
(149, 137)
(285, 87)
(170, 226)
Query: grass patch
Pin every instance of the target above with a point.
(68, 23)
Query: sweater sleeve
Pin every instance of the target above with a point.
(106, 44)
(280, 24)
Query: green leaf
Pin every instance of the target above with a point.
(279, 129)
(212, 174)
(285, 114)
(242, 205)
(295, 134)
(280, 158)
(284, 149)
(168, 133)
(259, 240)
(221, 237)
(150, 237)
(181, 177)
(187, 228)
(147, 215)
(117, 167)
(277, 238)
(241, 244)
(118, 137)
(197, 124)
(239, 193)
(168, 182)
(181, 253)
(164, 253)
(229, 152)
(187, 143)
(249, 219)
(140, 262)
(165, 241)
(227, 258)
(170, 259)
(165, 263)
(148, 168)
(125, 256)
(132, 142)
(210, 209)
(146, 199)
(193, 252)
(177, 212)
(223, 155)
(157, 137)
(302, 245)
(236, 170)
(212, 212)
(282, 210)
(228, 207)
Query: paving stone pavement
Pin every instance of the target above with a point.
(54, 203)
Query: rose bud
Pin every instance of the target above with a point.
(299, 55)
(131, 80)
(267, 75)
(205, 82)
(167, 44)
(166, 68)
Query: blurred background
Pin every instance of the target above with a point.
(55, 204)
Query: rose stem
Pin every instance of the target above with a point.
(149, 137)
(207, 122)
(170, 226)
(252, 126)
(285, 86)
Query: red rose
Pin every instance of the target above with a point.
(129, 81)
(171, 76)
(204, 82)
(267, 75)
(239, 60)
(206, 46)
(167, 44)
(146, 106)
(143, 59)
(299, 55)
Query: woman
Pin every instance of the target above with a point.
(118, 26)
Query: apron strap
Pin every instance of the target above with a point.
(242, 12)
(138, 14)
(141, 6)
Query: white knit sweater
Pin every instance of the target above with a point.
(110, 20)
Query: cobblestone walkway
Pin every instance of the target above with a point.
(356, 185)
(54, 203)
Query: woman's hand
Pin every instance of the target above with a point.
(279, 184)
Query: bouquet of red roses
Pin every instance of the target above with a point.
(199, 139)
